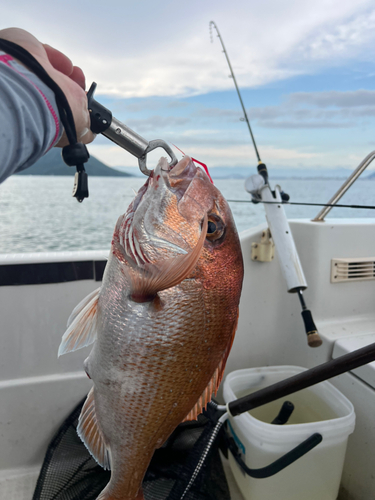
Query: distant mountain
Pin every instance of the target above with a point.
(275, 173)
(284, 173)
(53, 164)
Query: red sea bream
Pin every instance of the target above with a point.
(162, 322)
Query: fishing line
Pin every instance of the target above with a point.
(370, 207)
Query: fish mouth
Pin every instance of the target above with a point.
(177, 179)
(137, 233)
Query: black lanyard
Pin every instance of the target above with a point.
(76, 153)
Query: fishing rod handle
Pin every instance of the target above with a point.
(302, 380)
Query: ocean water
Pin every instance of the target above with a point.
(38, 213)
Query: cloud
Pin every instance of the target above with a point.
(348, 99)
(344, 39)
(112, 155)
(228, 114)
(148, 58)
(298, 124)
(141, 49)
(243, 155)
(308, 110)
(219, 140)
(149, 104)
(298, 111)
(157, 122)
(219, 155)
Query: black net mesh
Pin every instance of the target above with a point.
(70, 473)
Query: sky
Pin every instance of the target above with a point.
(306, 72)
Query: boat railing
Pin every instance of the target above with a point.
(343, 189)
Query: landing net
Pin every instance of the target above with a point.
(70, 473)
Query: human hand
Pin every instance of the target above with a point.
(60, 68)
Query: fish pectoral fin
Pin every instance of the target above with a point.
(79, 308)
(90, 433)
(168, 273)
(81, 330)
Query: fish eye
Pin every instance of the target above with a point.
(211, 227)
(215, 227)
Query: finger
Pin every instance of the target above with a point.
(59, 60)
(78, 77)
(87, 137)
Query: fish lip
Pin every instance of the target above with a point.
(177, 184)
(153, 190)
(150, 182)
(181, 176)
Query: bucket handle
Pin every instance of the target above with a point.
(279, 464)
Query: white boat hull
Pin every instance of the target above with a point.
(38, 391)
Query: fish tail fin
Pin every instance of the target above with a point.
(168, 273)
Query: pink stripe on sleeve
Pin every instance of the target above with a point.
(5, 58)
(55, 118)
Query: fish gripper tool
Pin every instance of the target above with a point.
(102, 122)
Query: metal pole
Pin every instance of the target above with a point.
(343, 189)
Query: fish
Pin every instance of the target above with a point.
(162, 323)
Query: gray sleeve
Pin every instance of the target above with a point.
(29, 120)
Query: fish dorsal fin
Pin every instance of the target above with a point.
(214, 383)
(90, 433)
(81, 330)
(168, 273)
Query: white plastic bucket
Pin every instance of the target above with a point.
(319, 409)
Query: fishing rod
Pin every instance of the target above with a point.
(262, 169)
(212, 24)
(258, 186)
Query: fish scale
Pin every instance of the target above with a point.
(162, 322)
